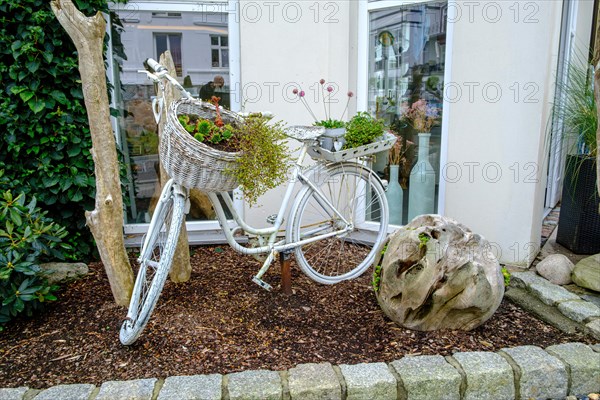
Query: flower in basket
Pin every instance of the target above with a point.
(420, 115)
(326, 90)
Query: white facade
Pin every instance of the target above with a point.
(500, 65)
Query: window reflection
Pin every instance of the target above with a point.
(407, 46)
(198, 43)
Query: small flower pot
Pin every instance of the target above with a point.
(333, 139)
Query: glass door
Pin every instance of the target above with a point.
(197, 36)
(406, 57)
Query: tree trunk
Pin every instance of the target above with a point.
(181, 268)
(106, 220)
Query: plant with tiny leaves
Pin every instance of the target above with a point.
(264, 159)
(363, 129)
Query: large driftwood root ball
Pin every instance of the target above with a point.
(437, 274)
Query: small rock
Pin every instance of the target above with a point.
(594, 396)
(556, 268)
(60, 272)
(587, 273)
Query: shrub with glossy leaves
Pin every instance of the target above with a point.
(27, 237)
(45, 142)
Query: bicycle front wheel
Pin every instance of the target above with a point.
(362, 212)
(156, 257)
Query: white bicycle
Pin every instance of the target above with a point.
(337, 221)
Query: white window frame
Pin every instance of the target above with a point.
(364, 8)
(198, 231)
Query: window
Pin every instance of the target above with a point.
(171, 42)
(219, 47)
(187, 33)
(406, 63)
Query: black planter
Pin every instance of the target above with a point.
(579, 220)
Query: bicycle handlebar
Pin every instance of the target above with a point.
(153, 65)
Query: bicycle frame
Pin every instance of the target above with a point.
(273, 246)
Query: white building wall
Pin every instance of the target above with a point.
(287, 44)
(503, 60)
(507, 53)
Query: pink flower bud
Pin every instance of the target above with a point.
(329, 89)
(295, 91)
(302, 93)
(350, 94)
(322, 81)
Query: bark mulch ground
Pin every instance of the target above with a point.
(221, 322)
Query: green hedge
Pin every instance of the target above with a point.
(45, 141)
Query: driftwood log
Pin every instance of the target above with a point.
(106, 220)
(437, 274)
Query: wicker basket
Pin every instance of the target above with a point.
(190, 163)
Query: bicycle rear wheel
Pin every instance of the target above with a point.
(156, 257)
(357, 194)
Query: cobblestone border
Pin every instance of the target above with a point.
(570, 305)
(524, 372)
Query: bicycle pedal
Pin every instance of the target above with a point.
(262, 284)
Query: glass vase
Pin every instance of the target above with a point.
(421, 192)
(394, 195)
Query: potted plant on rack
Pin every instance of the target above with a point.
(579, 219)
(335, 129)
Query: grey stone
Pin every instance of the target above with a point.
(428, 377)
(488, 375)
(579, 310)
(584, 366)
(525, 279)
(369, 381)
(556, 268)
(551, 294)
(454, 260)
(314, 381)
(596, 347)
(255, 385)
(140, 389)
(66, 392)
(59, 272)
(196, 387)
(531, 303)
(587, 273)
(540, 375)
(594, 328)
(13, 393)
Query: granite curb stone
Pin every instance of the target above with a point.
(521, 372)
(594, 328)
(369, 381)
(487, 375)
(13, 393)
(314, 381)
(195, 387)
(525, 279)
(428, 377)
(139, 389)
(539, 375)
(80, 391)
(255, 385)
(579, 310)
(583, 364)
(552, 294)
